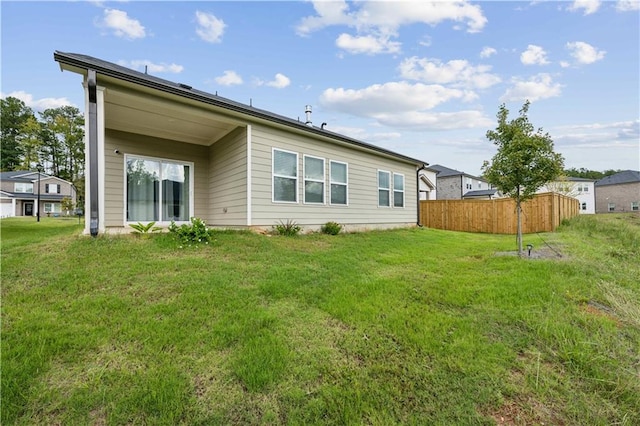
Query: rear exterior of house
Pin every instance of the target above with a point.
(452, 184)
(165, 152)
(618, 193)
(580, 188)
(20, 190)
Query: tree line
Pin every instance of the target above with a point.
(53, 140)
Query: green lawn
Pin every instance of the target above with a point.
(414, 326)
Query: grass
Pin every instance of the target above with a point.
(414, 326)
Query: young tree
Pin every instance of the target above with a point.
(13, 115)
(525, 160)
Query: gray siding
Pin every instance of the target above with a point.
(128, 143)
(362, 210)
(228, 180)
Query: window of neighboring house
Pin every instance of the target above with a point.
(313, 180)
(479, 185)
(158, 190)
(612, 207)
(384, 188)
(23, 187)
(52, 208)
(634, 206)
(398, 190)
(285, 176)
(338, 178)
(52, 188)
(584, 206)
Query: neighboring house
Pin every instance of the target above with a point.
(427, 184)
(619, 192)
(580, 188)
(163, 151)
(456, 185)
(19, 194)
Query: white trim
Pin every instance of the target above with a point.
(160, 220)
(101, 160)
(323, 181)
(249, 176)
(273, 175)
(346, 184)
(389, 188)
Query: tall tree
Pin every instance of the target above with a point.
(524, 160)
(14, 113)
(63, 142)
(30, 140)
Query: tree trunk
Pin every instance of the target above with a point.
(519, 227)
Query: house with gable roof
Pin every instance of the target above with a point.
(20, 190)
(453, 184)
(619, 192)
(161, 151)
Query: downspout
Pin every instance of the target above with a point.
(93, 152)
(424, 166)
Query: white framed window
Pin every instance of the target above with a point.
(52, 208)
(314, 179)
(24, 187)
(398, 190)
(339, 183)
(634, 206)
(384, 188)
(158, 190)
(52, 188)
(285, 176)
(611, 207)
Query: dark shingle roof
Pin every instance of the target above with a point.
(480, 193)
(626, 176)
(79, 61)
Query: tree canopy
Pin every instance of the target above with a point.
(524, 161)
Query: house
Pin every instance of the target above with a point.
(452, 184)
(163, 151)
(619, 192)
(20, 190)
(580, 188)
(427, 184)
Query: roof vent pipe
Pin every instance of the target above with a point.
(307, 111)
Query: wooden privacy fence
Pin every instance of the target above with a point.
(543, 213)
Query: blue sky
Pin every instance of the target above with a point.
(424, 79)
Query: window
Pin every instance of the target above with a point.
(52, 208)
(634, 206)
(398, 190)
(158, 190)
(313, 180)
(338, 180)
(611, 207)
(52, 188)
(384, 188)
(24, 187)
(285, 176)
(584, 206)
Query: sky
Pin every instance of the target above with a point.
(423, 79)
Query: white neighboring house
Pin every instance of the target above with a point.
(427, 184)
(580, 188)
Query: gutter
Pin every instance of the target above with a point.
(187, 92)
(93, 152)
(424, 166)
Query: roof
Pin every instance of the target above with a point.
(626, 176)
(21, 176)
(442, 171)
(79, 62)
(480, 193)
(578, 179)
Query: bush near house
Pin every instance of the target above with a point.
(412, 326)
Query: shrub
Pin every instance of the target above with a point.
(288, 228)
(331, 228)
(194, 232)
(140, 228)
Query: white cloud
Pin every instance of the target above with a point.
(140, 64)
(367, 44)
(565, 64)
(487, 51)
(627, 5)
(534, 55)
(375, 22)
(121, 25)
(279, 82)
(584, 53)
(538, 87)
(210, 28)
(589, 6)
(425, 121)
(457, 72)
(364, 134)
(37, 104)
(229, 78)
